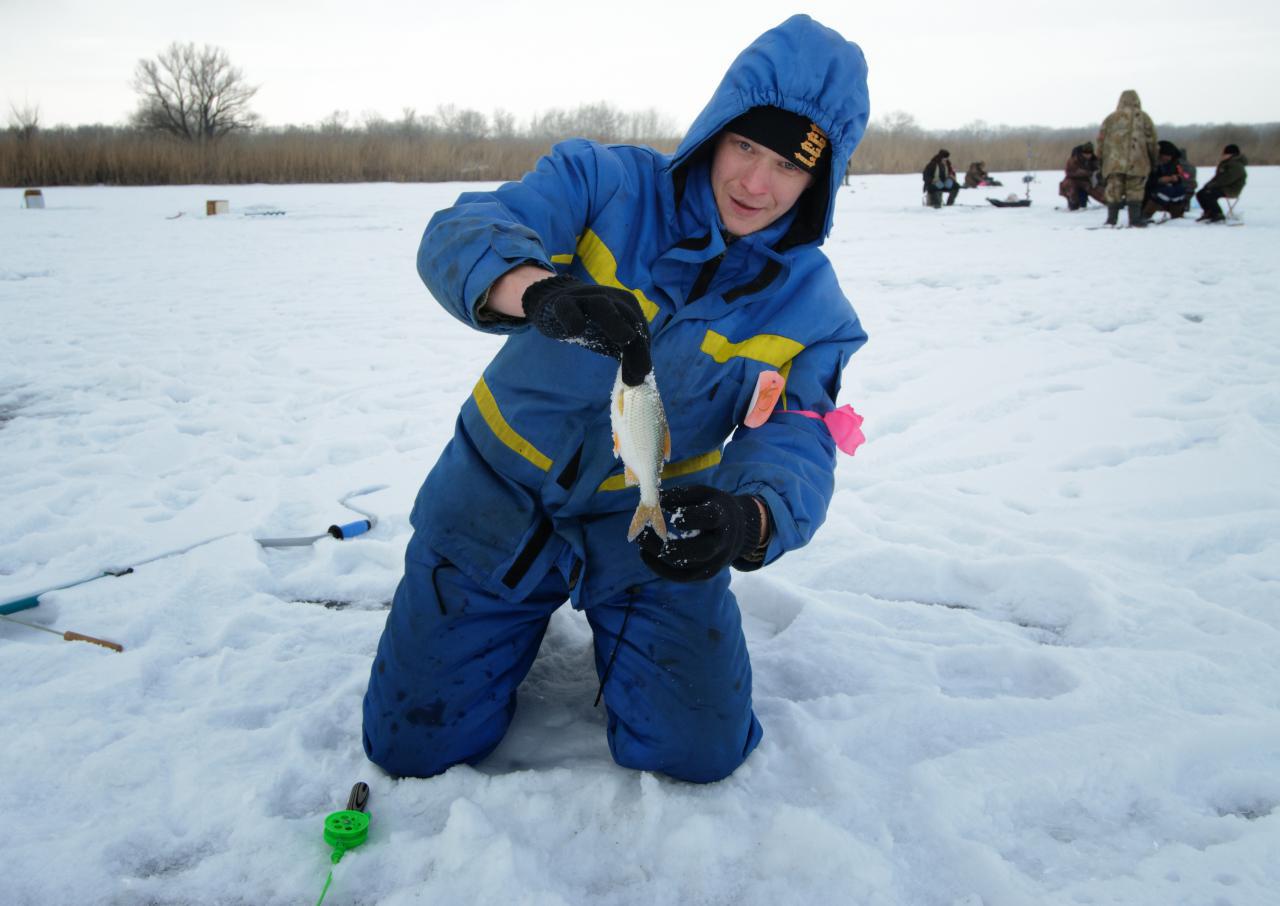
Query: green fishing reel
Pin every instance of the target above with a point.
(348, 828)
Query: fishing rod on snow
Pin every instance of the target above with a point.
(67, 635)
(339, 532)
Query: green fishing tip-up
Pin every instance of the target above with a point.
(348, 828)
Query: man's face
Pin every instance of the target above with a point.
(753, 186)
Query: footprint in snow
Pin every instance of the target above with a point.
(996, 672)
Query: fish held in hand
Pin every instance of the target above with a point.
(642, 441)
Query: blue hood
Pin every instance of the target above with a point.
(804, 67)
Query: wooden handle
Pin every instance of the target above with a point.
(78, 637)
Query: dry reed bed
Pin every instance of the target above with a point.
(119, 156)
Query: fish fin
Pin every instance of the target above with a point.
(619, 399)
(647, 515)
(617, 445)
(629, 477)
(666, 445)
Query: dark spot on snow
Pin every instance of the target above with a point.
(713, 634)
(334, 604)
(1250, 811)
(1194, 319)
(326, 603)
(431, 716)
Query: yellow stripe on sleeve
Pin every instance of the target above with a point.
(498, 425)
(603, 268)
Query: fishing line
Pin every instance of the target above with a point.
(340, 532)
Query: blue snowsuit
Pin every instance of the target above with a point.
(526, 506)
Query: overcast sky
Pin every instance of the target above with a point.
(1018, 62)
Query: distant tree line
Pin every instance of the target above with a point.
(193, 124)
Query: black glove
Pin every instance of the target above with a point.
(604, 319)
(727, 528)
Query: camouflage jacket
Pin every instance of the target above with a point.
(1127, 140)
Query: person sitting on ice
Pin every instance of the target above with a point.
(1188, 174)
(977, 175)
(1167, 185)
(611, 267)
(1083, 180)
(1228, 182)
(940, 176)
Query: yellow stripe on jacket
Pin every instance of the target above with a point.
(674, 470)
(503, 431)
(769, 348)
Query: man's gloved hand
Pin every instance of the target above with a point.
(604, 319)
(709, 529)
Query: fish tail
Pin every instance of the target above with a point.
(647, 514)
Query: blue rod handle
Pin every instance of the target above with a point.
(351, 529)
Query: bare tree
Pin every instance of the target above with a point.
(24, 120)
(899, 122)
(194, 94)
(504, 124)
(335, 123)
(465, 123)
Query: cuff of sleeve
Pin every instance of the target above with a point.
(777, 511)
(481, 280)
(755, 558)
(489, 320)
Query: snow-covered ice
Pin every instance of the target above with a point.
(1032, 658)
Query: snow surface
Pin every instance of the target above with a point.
(1032, 658)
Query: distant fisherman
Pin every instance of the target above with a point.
(604, 264)
(1126, 146)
